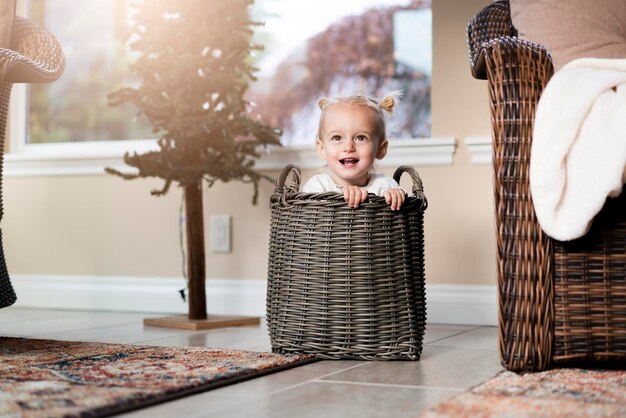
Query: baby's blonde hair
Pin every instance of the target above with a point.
(387, 104)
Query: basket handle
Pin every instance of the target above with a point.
(417, 181)
(294, 184)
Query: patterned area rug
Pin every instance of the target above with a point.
(48, 378)
(558, 393)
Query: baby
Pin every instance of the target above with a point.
(351, 137)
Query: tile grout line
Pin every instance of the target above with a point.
(310, 380)
(61, 333)
(390, 385)
(30, 320)
(454, 335)
(245, 340)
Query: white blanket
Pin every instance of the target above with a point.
(578, 155)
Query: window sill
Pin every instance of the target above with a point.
(91, 158)
(480, 149)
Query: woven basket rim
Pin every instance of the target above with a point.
(289, 191)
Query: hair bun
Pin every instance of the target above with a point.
(389, 102)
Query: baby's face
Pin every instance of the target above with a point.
(348, 143)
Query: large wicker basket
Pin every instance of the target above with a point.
(346, 283)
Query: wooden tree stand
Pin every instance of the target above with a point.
(197, 318)
(212, 321)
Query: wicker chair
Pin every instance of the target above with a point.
(35, 56)
(560, 303)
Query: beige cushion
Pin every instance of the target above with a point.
(571, 29)
(7, 13)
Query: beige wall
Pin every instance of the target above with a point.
(101, 225)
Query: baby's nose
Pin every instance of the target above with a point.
(349, 144)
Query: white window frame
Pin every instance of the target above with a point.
(63, 158)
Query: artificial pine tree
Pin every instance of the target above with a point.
(194, 63)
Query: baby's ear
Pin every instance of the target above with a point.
(320, 149)
(382, 149)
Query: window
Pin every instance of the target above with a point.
(74, 108)
(312, 49)
(333, 48)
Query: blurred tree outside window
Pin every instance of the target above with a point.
(312, 49)
(330, 48)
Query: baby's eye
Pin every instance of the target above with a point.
(361, 138)
(335, 138)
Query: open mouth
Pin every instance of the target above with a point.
(349, 161)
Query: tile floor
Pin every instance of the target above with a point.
(454, 358)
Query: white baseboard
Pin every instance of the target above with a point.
(135, 294)
(462, 304)
(445, 304)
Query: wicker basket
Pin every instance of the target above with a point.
(346, 283)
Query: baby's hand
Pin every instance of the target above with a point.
(354, 195)
(394, 197)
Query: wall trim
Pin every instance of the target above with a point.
(480, 149)
(447, 304)
(417, 152)
(462, 304)
(91, 157)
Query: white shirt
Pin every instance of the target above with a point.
(321, 183)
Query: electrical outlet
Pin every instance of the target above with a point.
(220, 233)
